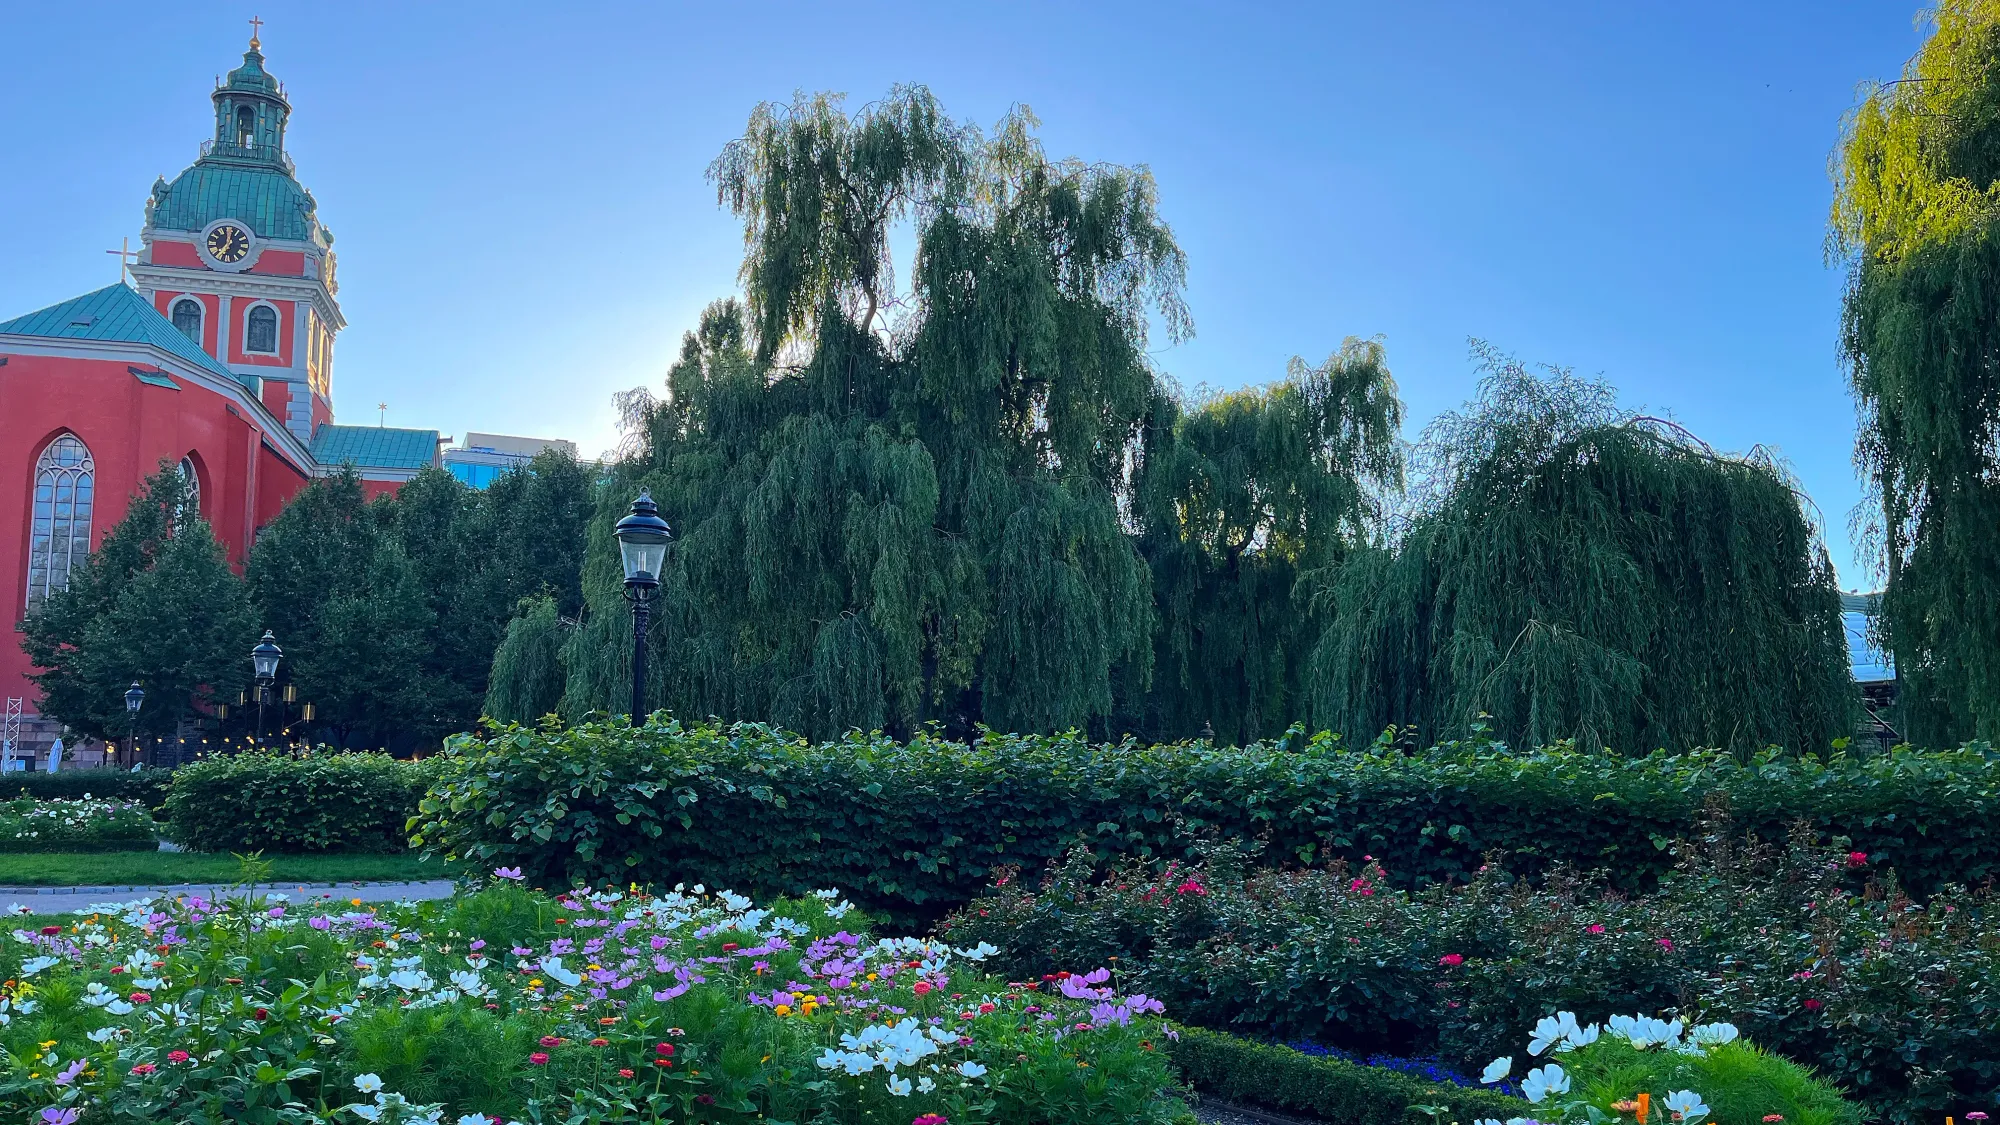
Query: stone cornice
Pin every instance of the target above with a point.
(181, 279)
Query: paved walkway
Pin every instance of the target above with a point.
(59, 900)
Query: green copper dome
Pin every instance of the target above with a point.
(243, 172)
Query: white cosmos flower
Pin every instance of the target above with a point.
(899, 1086)
(1543, 1081)
(368, 1083)
(926, 1084)
(1497, 1069)
(1687, 1106)
(971, 1069)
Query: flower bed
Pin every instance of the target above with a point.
(1891, 999)
(85, 824)
(510, 1005)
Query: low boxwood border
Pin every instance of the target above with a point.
(1336, 1091)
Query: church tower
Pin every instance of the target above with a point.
(234, 255)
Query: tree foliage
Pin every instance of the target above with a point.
(1917, 217)
(156, 603)
(938, 505)
(1578, 572)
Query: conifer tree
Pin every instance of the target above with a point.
(1916, 218)
(156, 603)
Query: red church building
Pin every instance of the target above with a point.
(217, 358)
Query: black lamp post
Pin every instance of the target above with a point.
(642, 545)
(135, 697)
(264, 661)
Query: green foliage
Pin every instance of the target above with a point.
(1811, 951)
(144, 785)
(527, 680)
(1577, 572)
(919, 827)
(1322, 1089)
(1240, 496)
(1917, 217)
(391, 612)
(883, 525)
(1740, 1083)
(319, 801)
(76, 825)
(157, 603)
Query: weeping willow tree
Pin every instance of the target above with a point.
(1917, 218)
(896, 509)
(1577, 572)
(1239, 496)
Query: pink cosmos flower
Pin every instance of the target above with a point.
(1452, 959)
(931, 1119)
(1594, 928)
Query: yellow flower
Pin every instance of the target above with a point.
(783, 1009)
(872, 976)
(535, 982)
(48, 1044)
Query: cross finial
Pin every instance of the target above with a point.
(383, 419)
(256, 28)
(126, 256)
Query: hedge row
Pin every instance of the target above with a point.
(146, 785)
(321, 801)
(1323, 1089)
(920, 826)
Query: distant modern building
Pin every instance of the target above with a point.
(481, 458)
(1874, 670)
(217, 358)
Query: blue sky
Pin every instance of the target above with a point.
(517, 193)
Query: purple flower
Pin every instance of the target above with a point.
(478, 944)
(668, 994)
(69, 1073)
(513, 873)
(319, 922)
(54, 1115)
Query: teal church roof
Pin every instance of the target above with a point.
(375, 447)
(269, 199)
(116, 313)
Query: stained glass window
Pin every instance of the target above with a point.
(59, 526)
(261, 335)
(187, 318)
(191, 503)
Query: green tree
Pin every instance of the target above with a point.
(1916, 217)
(1240, 496)
(527, 680)
(882, 525)
(1578, 572)
(332, 581)
(157, 603)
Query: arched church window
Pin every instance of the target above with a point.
(191, 488)
(261, 331)
(246, 125)
(187, 318)
(59, 524)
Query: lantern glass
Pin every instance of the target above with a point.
(134, 698)
(264, 658)
(643, 538)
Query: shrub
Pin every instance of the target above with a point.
(1320, 1088)
(321, 801)
(609, 1009)
(86, 824)
(918, 828)
(1891, 1000)
(145, 785)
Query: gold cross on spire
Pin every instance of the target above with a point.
(256, 27)
(126, 256)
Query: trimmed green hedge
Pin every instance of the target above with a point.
(146, 785)
(320, 801)
(1323, 1089)
(920, 827)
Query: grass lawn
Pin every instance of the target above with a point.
(56, 869)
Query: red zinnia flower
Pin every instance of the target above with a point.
(624, 1072)
(600, 1042)
(1452, 959)
(51, 931)
(143, 1069)
(261, 1014)
(921, 987)
(664, 1050)
(141, 997)
(1813, 1005)
(177, 1056)
(551, 1041)
(1857, 859)
(538, 1059)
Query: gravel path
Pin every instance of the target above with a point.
(61, 900)
(1221, 1113)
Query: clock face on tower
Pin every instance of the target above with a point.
(228, 244)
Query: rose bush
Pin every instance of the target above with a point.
(1813, 951)
(511, 1005)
